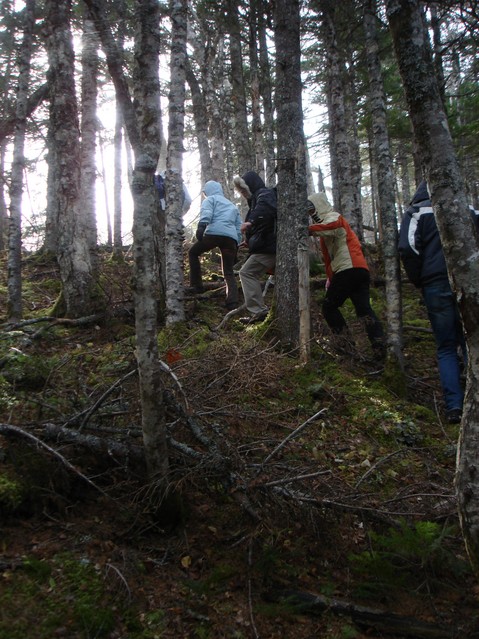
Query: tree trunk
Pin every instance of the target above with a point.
(153, 417)
(174, 194)
(79, 296)
(266, 94)
(14, 304)
(89, 92)
(458, 236)
(117, 181)
(144, 132)
(200, 115)
(386, 190)
(292, 194)
(241, 135)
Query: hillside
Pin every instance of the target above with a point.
(308, 501)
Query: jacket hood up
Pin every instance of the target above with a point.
(212, 188)
(249, 183)
(320, 203)
(421, 194)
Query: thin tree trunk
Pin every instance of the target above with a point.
(89, 92)
(174, 194)
(117, 181)
(292, 194)
(344, 197)
(386, 190)
(266, 92)
(14, 304)
(200, 115)
(241, 137)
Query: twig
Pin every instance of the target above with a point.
(250, 590)
(101, 399)
(235, 311)
(288, 480)
(374, 466)
(122, 578)
(6, 428)
(168, 370)
(293, 434)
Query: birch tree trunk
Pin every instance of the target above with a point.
(458, 237)
(175, 308)
(14, 280)
(89, 92)
(292, 194)
(386, 188)
(143, 125)
(79, 294)
(153, 418)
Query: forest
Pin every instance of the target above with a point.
(168, 469)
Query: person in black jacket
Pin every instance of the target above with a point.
(423, 260)
(259, 229)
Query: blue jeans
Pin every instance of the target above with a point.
(447, 328)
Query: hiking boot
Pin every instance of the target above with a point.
(254, 319)
(454, 415)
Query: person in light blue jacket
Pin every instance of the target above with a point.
(219, 226)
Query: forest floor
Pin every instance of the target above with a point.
(308, 501)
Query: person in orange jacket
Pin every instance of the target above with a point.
(346, 269)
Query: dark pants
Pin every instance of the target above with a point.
(228, 248)
(353, 283)
(447, 328)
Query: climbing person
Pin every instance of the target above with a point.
(347, 272)
(259, 230)
(423, 259)
(219, 226)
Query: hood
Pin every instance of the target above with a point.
(421, 194)
(320, 203)
(249, 184)
(212, 188)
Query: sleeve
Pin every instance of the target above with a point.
(326, 229)
(263, 213)
(410, 249)
(238, 223)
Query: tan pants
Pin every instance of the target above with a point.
(257, 265)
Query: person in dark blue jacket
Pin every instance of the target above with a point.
(259, 228)
(423, 260)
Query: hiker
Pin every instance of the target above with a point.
(423, 260)
(347, 272)
(160, 187)
(259, 229)
(219, 226)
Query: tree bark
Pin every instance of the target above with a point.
(79, 296)
(89, 92)
(292, 194)
(175, 308)
(386, 188)
(14, 303)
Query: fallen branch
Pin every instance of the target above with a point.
(292, 435)
(371, 618)
(8, 429)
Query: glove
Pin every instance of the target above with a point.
(200, 231)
